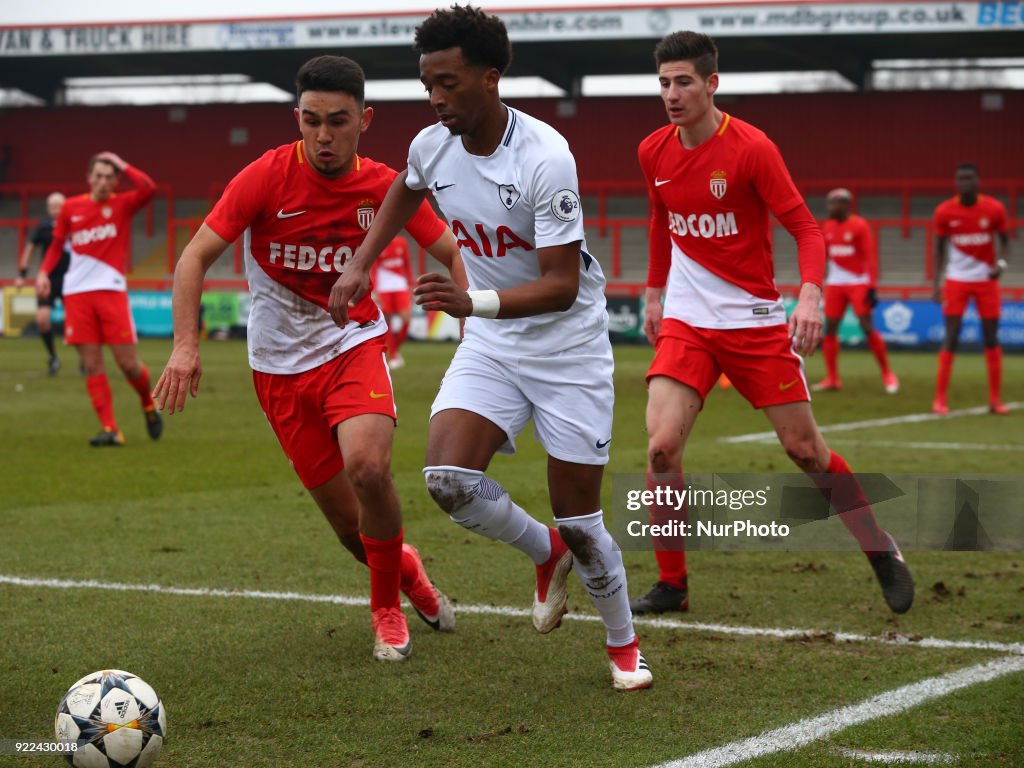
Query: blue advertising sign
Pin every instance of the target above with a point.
(920, 323)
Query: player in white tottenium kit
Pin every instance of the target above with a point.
(536, 338)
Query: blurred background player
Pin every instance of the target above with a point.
(968, 227)
(536, 338)
(96, 228)
(712, 180)
(324, 389)
(392, 283)
(852, 279)
(40, 240)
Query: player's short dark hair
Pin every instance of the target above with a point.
(482, 37)
(332, 74)
(688, 46)
(97, 159)
(967, 167)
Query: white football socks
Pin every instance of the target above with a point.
(598, 563)
(479, 504)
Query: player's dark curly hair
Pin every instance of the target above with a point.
(332, 74)
(483, 38)
(688, 46)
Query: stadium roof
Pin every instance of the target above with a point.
(560, 44)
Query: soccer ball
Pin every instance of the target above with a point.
(115, 719)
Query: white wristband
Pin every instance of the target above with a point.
(485, 303)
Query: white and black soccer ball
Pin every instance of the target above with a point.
(115, 719)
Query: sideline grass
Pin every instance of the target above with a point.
(251, 683)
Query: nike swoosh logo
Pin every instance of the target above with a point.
(77, 218)
(784, 387)
(433, 623)
(438, 188)
(659, 182)
(282, 215)
(379, 395)
(599, 444)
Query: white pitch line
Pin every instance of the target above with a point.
(892, 757)
(813, 729)
(927, 446)
(505, 610)
(911, 418)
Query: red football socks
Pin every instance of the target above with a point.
(669, 551)
(102, 398)
(942, 377)
(384, 558)
(877, 345)
(994, 363)
(141, 385)
(847, 498)
(830, 348)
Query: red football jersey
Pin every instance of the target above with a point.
(392, 271)
(98, 235)
(850, 246)
(300, 228)
(710, 224)
(971, 232)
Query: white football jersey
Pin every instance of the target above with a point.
(502, 208)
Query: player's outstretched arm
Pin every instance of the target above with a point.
(184, 369)
(400, 204)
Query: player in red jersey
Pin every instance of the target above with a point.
(712, 181)
(392, 280)
(852, 277)
(97, 229)
(968, 227)
(302, 209)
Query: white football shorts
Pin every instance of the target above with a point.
(569, 395)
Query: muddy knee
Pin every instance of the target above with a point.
(803, 453)
(662, 458)
(451, 488)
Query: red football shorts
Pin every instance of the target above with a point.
(956, 294)
(304, 409)
(394, 302)
(760, 362)
(98, 317)
(837, 297)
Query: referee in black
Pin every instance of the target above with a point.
(40, 239)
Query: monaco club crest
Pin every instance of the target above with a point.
(364, 215)
(718, 184)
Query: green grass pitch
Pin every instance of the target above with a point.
(251, 681)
